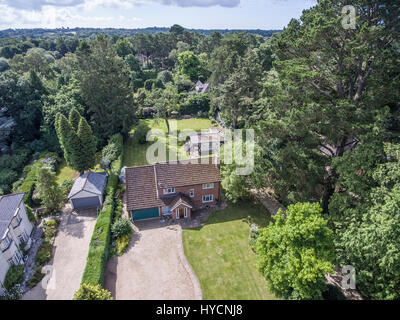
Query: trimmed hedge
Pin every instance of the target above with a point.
(99, 249)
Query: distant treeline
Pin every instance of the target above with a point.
(126, 33)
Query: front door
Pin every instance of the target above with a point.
(181, 213)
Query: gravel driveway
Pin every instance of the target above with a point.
(70, 251)
(154, 267)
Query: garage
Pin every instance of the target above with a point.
(89, 202)
(88, 190)
(145, 214)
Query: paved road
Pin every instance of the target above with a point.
(70, 251)
(154, 268)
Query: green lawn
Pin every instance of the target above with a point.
(135, 153)
(64, 172)
(220, 255)
(195, 124)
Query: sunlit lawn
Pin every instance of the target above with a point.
(135, 153)
(64, 172)
(195, 124)
(221, 257)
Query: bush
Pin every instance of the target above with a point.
(14, 276)
(165, 76)
(66, 186)
(122, 244)
(121, 228)
(14, 293)
(50, 229)
(141, 132)
(195, 104)
(30, 214)
(99, 249)
(36, 278)
(44, 252)
(92, 292)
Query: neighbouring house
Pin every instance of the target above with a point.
(172, 189)
(206, 143)
(15, 230)
(202, 87)
(88, 190)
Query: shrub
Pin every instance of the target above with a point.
(14, 293)
(92, 292)
(14, 276)
(195, 104)
(36, 278)
(122, 244)
(121, 228)
(66, 186)
(50, 229)
(99, 249)
(44, 252)
(333, 293)
(141, 132)
(30, 214)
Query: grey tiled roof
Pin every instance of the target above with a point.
(93, 182)
(8, 205)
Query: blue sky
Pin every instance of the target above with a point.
(205, 14)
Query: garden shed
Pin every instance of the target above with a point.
(88, 190)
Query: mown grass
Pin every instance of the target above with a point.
(135, 153)
(221, 257)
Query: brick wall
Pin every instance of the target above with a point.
(199, 192)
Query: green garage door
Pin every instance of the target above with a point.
(145, 214)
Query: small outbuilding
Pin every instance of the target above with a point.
(88, 190)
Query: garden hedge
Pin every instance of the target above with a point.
(99, 248)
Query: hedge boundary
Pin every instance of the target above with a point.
(99, 248)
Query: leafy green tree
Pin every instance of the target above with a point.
(123, 47)
(49, 191)
(74, 118)
(189, 64)
(331, 84)
(88, 143)
(105, 88)
(141, 132)
(365, 214)
(294, 252)
(70, 143)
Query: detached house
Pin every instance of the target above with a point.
(172, 189)
(15, 229)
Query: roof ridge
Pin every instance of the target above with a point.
(86, 180)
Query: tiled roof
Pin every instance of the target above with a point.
(141, 182)
(179, 200)
(141, 189)
(182, 174)
(8, 206)
(93, 182)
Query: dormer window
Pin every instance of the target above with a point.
(6, 242)
(16, 221)
(169, 191)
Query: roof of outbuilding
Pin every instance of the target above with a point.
(93, 182)
(8, 206)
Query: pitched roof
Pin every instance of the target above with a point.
(93, 182)
(141, 182)
(181, 199)
(141, 188)
(8, 206)
(180, 174)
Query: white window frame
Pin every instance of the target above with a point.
(177, 214)
(169, 191)
(211, 196)
(16, 221)
(10, 262)
(186, 212)
(7, 241)
(207, 186)
(191, 193)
